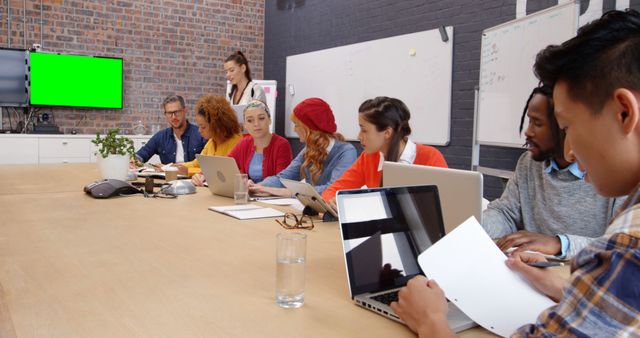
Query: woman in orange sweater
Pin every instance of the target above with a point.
(384, 131)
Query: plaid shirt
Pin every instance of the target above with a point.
(603, 296)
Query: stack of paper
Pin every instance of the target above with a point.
(247, 211)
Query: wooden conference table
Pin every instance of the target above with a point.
(74, 266)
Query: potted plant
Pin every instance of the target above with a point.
(114, 154)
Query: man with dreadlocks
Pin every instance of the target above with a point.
(547, 206)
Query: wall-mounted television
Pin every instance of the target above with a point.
(75, 81)
(13, 80)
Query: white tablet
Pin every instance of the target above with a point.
(308, 196)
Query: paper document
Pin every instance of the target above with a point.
(247, 211)
(284, 201)
(472, 272)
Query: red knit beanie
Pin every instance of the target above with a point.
(316, 114)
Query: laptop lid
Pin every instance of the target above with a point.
(220, 172)
(383, 231)
(460, 190)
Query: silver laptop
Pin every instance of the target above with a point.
(383, 231)
(220, 172)
(460, 190)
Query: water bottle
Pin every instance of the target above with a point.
(138, 129)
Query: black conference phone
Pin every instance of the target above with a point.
(109, 188)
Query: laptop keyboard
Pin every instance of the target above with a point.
(386, 298)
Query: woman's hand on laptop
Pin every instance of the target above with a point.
(198, 179)
(422, 306)
(260, 190)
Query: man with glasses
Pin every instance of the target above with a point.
(178, 143)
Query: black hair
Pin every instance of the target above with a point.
(556, 133)
(605, 55)
(239, 58)
(387, 112)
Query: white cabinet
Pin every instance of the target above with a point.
(35, 149)
(18, 149)
(63, 150)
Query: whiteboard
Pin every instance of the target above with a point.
(506, 69)
(415, 68)
(270, 91)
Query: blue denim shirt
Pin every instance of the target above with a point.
(340, 158)
(163, 143)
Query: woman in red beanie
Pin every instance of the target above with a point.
(384, 136)
(263, 154)
(325, 156)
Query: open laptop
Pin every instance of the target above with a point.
(220, 172)
(460, 190)
(383, 231)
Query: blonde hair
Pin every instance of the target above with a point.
(316, 150)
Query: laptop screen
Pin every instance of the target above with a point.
(383, 232)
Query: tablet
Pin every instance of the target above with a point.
(308, 196)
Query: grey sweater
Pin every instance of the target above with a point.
(549, 203)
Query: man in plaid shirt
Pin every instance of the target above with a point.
(596, 81)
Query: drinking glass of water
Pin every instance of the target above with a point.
(291, 251)
(241, 189)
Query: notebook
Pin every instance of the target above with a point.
(247, 211)
(383, 231)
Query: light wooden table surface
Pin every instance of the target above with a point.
(73, 266)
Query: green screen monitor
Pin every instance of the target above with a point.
(75, 81)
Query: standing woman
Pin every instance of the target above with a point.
(384, 136)
(323, 159)
(243, 89)
(263, 154)
(218, 123)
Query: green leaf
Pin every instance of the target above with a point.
(111, 143)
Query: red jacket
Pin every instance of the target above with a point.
(364, 170)
(277, 155)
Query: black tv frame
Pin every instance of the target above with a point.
(20, 80)
(84, 107)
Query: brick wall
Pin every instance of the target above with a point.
(168, 47)
(318, 25)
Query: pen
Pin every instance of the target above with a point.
(545, 264)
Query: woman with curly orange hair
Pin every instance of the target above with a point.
(218, 123)
(325, 156)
